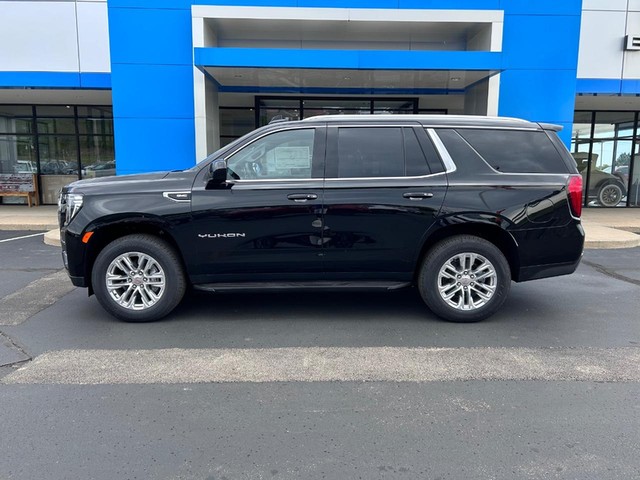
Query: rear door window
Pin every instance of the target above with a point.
(515, 151)
(370, 152)
(375, 152)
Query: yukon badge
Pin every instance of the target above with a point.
(222, 235)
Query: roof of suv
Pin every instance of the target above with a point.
(433, 120)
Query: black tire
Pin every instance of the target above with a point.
(439, 255)
(163, 254)
(610, 194)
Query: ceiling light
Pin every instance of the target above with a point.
(455, 79)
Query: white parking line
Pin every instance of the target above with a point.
(20, 238)
(318, 364)
(19, 306)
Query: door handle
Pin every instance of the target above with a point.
(417, 195)
(302, 197)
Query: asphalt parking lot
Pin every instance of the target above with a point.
(322, 385)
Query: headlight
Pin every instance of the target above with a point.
(69, 205)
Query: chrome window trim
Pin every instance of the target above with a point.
(270, 180)
(351, 179)
(449, 164)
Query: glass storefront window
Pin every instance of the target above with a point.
(394, 106)
(56, 126)
(613, 124)
(54, 141)
(58, 154)
(633, 173)
(58, 164)
(268, 114)
(55, 111)
(95, 126)
(235, 122)
(603, 154)
(16, 119)
(18, 154)
(97, 156)
(297, 108)
(95, 112)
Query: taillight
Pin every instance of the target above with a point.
(574, 188)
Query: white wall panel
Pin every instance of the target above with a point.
(601, 44)
(93, 35)
(606, 4)
(38, 36)
(632, 58)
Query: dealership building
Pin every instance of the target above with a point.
(94, 88)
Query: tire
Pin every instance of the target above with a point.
(610, 194)
(482, 297)
(151, 292)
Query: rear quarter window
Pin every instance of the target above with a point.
(516, 151)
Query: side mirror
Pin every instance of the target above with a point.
(217, 175)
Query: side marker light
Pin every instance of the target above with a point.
(86, 237)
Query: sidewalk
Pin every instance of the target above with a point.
(604, 227)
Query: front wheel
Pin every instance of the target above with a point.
(138, 278)
(464, 279)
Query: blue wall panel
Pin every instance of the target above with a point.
(599, 85)
(155, 144)
(72, 80)
(541, 41)
(153, 91)
(148, 36)
(540, 60)
(542, 7)
(539, 95)
(152, 76)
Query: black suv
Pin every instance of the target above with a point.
(457, 206)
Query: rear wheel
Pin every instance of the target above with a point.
(610, 195)
(464, 279)
(138, 278)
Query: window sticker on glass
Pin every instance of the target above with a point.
(292, 157)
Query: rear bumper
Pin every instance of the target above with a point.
(545, 271)
(549, 252)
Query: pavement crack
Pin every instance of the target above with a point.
(611, 273)
(8, 340)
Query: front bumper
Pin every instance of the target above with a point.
(73, 254)
(78, 281)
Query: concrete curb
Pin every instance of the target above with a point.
(28, 226)
(52, 237)
(601, 237)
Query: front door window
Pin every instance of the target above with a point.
(282, 155)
